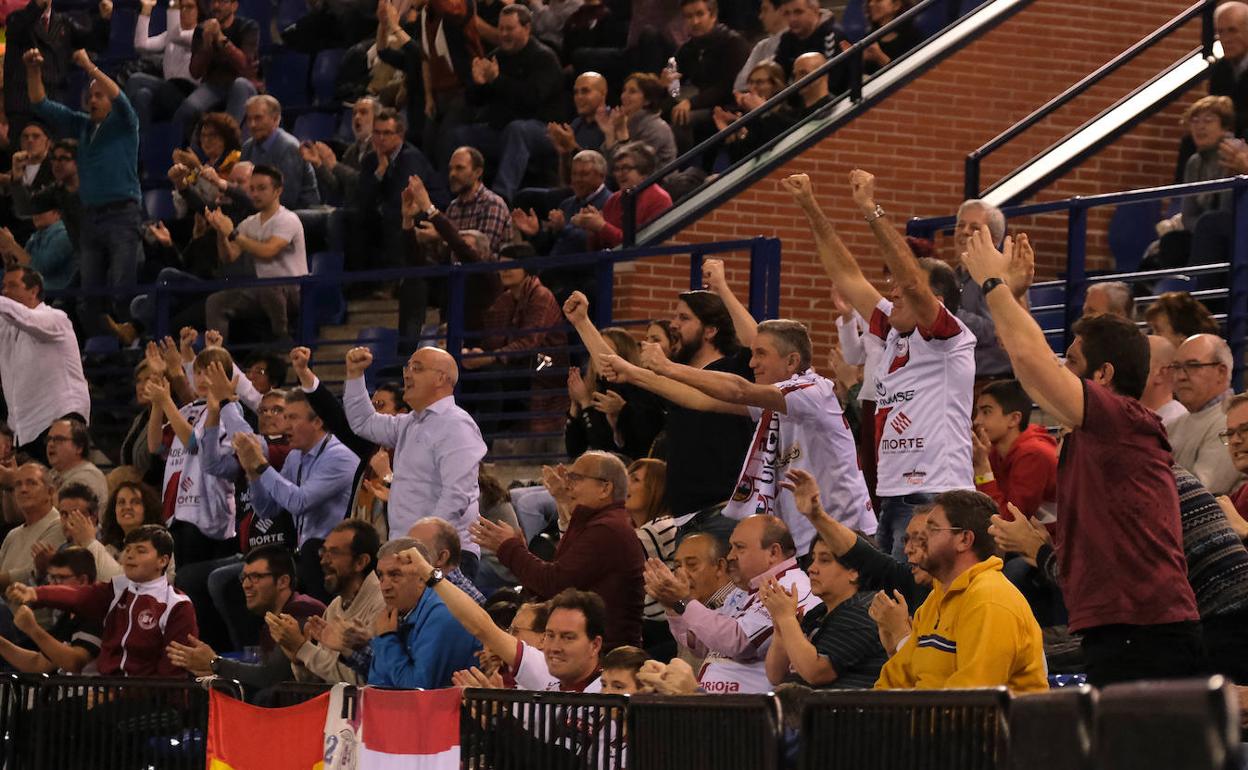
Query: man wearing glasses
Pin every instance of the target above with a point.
(1236, 439)
(975, 629)
(1202, 383)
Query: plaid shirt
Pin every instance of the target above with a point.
(484, 210)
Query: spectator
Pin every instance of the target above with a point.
(206, 183)
(1159, 392)
(33, 494)
(1236, 439)
(435, 472)
(702, 563)
(225, 59)
(736, 637)
(447, 70)
(132, 505)
(266, 370)
(128, 647)
(637, 121)
(974, 629)
(661, 333)
(774, 26)
(441, 542)
(64, 157)
(273, 237)
(476, 207)
(708, 63)
(557, 234)
(834, 645)
(1015, 461)
(32, 331)
(1177, 315)
(1109, 298)
(656, 529)
(416, 642)
(1202, 384)
(73, 642)
(496, 506)
(913, 407)
(598, 553)
(134, 451)
(158, 98)
(612, 416)
(31, 170)
(620, 668)
(589, 97)
(896, 43)
(49, 249)
(273, 146)
(69, 443)
(799, 424)
(349, 563)
(336, 178)
(1135, 625)
(330, 25)
(991, 361)
(268, 579)
(631, 164)
(811, 30)
(314, 485)
(700, 474)
(766, 80)
(517, 91)
(108, 149)
(1226, 77)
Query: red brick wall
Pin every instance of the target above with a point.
(916, 140)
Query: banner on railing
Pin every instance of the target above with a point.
(242, 736)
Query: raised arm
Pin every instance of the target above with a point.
(838, 263)
(724, 387)
(805, 488)
(380, 429)
(158, 393)
(111, 89)
(1055, 388)
(576, 310)
(902, 265)
(616, 369)
(33, 60)
(714, 279)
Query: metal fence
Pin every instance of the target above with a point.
(520, 730)
(732, 732)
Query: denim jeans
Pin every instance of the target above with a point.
(208, 97)
(895, 515)
(111, 251)
(524, 142)
(535, 510)
(153, 98)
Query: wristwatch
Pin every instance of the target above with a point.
(212, 664)
(261, 468)
(991, 284)
(233, 236)
(435, 577)
(874, 215)
(680, 607)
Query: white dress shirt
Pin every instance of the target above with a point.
(41, 367)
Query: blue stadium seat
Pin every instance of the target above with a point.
(383, 343)
(121, 34)
(156, 151)
(286, 79)
(328, 304)
(854, 20)
(101, 345)
(315, 126)
(259, 11)
(1175, 283)
(1130, 233)
(1046, 295)
(325, 75)
(158, 204)
(289, 12)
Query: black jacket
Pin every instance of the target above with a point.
(709, 64)
(529, 86)
(1223, 82)
(57, 42)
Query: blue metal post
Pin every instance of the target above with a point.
(758, 279)
(695, 268)
(307, 316)
(162, 311)
(604, 299)
(1237, 310)
(1207, 31)
(629, 202)
(773, 278)
(1076, 265)
(455, 314)
(970, 184)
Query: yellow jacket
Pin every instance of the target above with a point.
(979, 632)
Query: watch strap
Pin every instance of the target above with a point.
(991, 284)
(874, 215)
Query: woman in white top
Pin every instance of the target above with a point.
(655, 527)
(157, 98)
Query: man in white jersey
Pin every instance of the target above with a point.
(735, 637)
(924, 380)
(799, 424)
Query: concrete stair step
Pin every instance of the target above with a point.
(372, 306)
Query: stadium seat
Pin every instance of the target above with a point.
(101, 345)
(1046, 295)
(1130, 233)
(383, 343)
(315, 126)
(289, 12)
(121, 34)
(1051, 730)
(1175, 283)
(325, 75)
(854, 20)
(1168, 725)
(286, 79)
(327, 302)
(158, 204)
(156, 152)
(261, 12)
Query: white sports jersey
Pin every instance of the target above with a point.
(532, 674)
(812, 435)
(924, 388)
(747, 672)
(191, 494)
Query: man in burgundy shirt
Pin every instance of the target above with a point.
(1119, 537)
(599, 552)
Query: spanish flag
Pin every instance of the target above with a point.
(245, 737)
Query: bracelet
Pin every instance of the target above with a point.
(874, 215)
(984, 479)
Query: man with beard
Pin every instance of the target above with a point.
(704, 449)
(975, 629)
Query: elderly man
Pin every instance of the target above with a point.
(702, 561)
(1202, 383)
(336, 177)
(990, 359)
(1226, 77)
(68, 444)
(437, 448)
(442, 542)
(80, 519)
(1109, 298)
(273, 146)
(34, 493)
(32, 331)
(735, 637)
(1159, 392)
(600, 551)
(557, 234)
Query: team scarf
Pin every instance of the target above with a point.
(758, 485)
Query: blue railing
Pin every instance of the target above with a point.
(1203, 9)
(763, 301)
(1076, 281)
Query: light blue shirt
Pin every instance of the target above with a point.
(436, 455)
(314, 486)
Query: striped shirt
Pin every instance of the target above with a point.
(658, 540)
(847, 637)
(1217, 562)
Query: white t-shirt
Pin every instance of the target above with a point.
(747, 673)
(292, 261)
(814, 436)
(532, 674)
(860, 348)
(191, 494)
(924, 389)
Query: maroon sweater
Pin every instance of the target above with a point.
(600, 552)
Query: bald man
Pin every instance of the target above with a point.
(589, 93)
(437, 447)
(814, 95)
(1159, 392)
(1202, 383)
(1226, 77)
(1110, 298)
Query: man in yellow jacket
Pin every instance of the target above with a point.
(975, 629)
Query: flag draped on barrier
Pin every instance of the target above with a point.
(245, 737)
(409, 729)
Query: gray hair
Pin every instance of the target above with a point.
(45, 474)
(793, 337)
(611, 469)
(446, 539)
(1222, 353)
(1121, 300)
(401, 544)
(592, 157)
(271, 104)
(996, 219)
(480, 241)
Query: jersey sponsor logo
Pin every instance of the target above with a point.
(915, 478)
(900, 397)
(902, 444)
(901, 422)
(147, 620)
(721, 687)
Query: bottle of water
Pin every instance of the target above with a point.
(673, 74)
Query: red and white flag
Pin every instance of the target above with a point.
(409, 729)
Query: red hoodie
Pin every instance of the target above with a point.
(1027, 476)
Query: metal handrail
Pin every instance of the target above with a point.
(851, 56)
(974, 159)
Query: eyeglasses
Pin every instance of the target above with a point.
(385, 132)
(1239, 431)
(322, 551)
(1186, 367)
(252, 577)
(930, 528)
(271, 410)
(513, 630)
(624, 167)
(62, 158)
(573, 477)
(58, 439)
